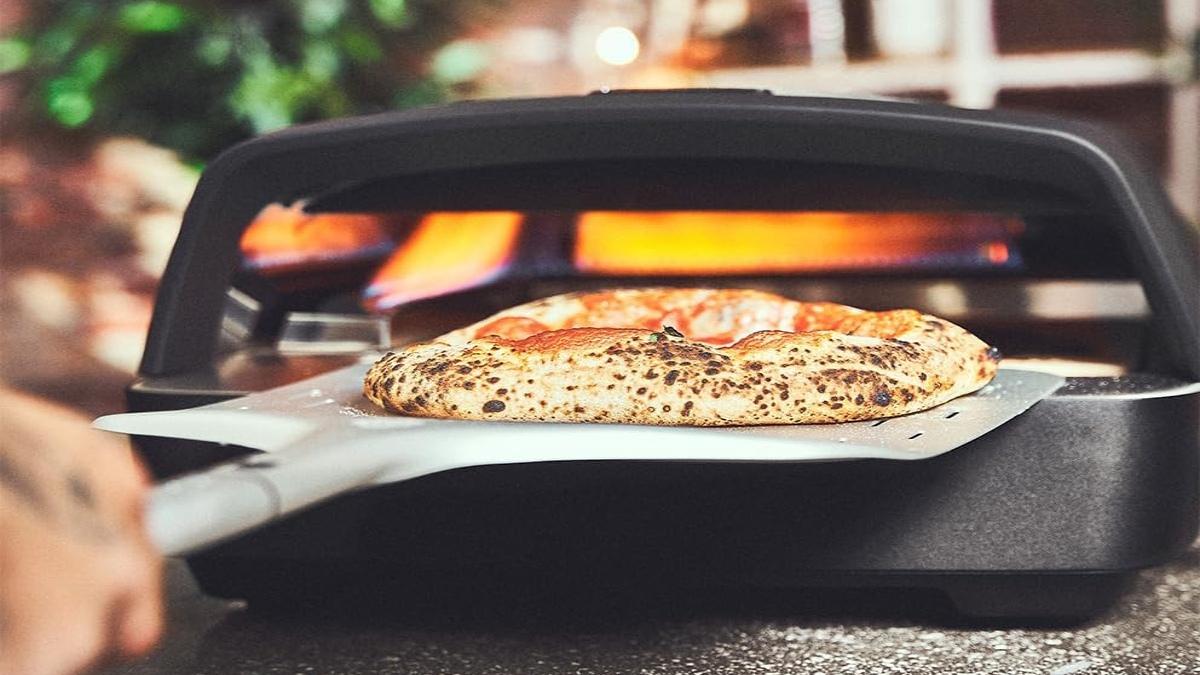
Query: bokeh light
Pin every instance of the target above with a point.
(617, 46)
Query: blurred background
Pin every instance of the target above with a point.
(110, 110)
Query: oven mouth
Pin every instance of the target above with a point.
(344, 282)
(397, 258)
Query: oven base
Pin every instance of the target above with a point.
(1043, 517)
(290, 586)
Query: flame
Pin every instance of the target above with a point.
(695, 242)
(282, 236)
(447, 252)
(997, 252)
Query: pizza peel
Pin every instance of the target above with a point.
(323, 439)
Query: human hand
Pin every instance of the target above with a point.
(79, 580)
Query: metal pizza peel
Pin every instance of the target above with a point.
(322, 438)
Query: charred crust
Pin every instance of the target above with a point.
(911, 363)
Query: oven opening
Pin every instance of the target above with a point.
(1051, 289)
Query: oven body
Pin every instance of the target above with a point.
(1043, 517)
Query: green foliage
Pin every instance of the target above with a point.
(459, 61)
(152, 16)
(14, 54)
(199, 76)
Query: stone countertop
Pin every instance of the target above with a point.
(1154, 629)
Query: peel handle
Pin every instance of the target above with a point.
(189, 513)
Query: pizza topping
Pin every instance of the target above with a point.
(856, 365)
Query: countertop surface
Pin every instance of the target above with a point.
(1154, 629)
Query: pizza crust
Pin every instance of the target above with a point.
(877, 364)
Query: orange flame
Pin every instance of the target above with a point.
(447, 252)
(282, 236)
(696, 242)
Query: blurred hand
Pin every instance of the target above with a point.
(79, 581)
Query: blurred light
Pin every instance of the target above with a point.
(47, 298)
(911, 27)
(321, 60)
(459, 61)
(92, 64)
(393, 13)
(214, 50)
(69, 104)
(532, 45)
(718, 17)
(318, 16)
(617, 46)
(660, 77)
(996, 252)
(267, 94)
(153, 16)
(14, 54)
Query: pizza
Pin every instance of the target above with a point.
(697, 357)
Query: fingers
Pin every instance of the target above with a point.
(142, 623)
(52, 595)
(66, 605)
(80, 581)
(136, 616)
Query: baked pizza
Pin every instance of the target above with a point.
(699, 357)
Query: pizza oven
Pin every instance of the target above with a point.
(304, 250)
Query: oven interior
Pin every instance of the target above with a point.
(374, 265)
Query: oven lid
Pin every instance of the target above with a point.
(720, 150)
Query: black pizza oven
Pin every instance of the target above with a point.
(303, 250)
